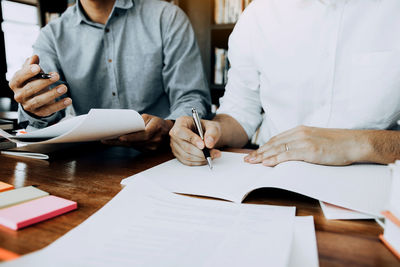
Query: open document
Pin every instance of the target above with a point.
(145, 225)
(362, 187)
(98, 124)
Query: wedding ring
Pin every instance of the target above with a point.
(286, 147)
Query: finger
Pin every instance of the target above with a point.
(189, 149)
(256, 157)
(35, 86)
(275, 150)
(212, 134)
(146, 118)
(52, 108)
(283, 157)
(24, 74)
(45, 98)
(292, 135)
(31, 60)
(215, 153)
(183, 133)
(274, 145)
(186, 158)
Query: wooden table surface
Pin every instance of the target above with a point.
(91, 175)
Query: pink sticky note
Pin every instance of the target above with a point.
(25, 214)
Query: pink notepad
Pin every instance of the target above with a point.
(25, 214)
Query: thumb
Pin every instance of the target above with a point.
(212, 134)
(31, 60)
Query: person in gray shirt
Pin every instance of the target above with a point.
(123, 54)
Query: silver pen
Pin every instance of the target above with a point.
(199, 128)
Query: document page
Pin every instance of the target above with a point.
(98, 124)
(362, 187)
(145, 225)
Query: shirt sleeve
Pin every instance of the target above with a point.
(183, 73)
(44, 48)
(242, 97)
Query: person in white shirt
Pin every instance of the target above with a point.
(319, 79)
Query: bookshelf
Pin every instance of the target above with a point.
(210, 35)
(50, 9)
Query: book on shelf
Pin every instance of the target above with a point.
(221, 66)
(391, 235)
(228, 11)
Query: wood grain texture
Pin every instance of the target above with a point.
(91, 174)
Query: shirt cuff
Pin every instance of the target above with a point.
(250, 124)
(187, 111)
(38, 123)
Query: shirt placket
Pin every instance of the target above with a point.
(331, 54)
(111, 64)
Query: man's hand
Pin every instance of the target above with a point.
(187, 146)
(314, 145)
(154, 136)
(34, 95)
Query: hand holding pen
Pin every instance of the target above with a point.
(186, 143)
(199, 129)
(31, 89)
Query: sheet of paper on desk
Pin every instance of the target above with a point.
(98, 124)
(147, 226)
(363, 187)
(333, 212)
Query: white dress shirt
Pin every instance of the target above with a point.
(322, 63)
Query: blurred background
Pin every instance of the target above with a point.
(21, 20)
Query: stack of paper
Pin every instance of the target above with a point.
(98, 124)
(391, 236)
(364, 187)
(29, 205)
(145, 225)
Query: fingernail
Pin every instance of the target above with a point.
(199, 144)
(61, 90)
(54, 77)
(252, 159)
(35, 68)
(67, 102)
(209, 140)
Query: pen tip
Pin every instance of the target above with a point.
(209, 161)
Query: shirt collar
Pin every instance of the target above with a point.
(80, 16)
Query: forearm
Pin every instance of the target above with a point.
(232, 133)
(380, 146)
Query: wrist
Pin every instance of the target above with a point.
(362, 147)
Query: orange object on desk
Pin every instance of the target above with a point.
(5, 186)
(6, 255)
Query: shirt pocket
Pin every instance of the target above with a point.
(374, 79)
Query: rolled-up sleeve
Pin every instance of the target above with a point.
(183, 73)
(242, 99)
(49, 63)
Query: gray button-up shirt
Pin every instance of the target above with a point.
(145, 58)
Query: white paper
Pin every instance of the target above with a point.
(304, 244)
(363, 187)
(26, 154)
(147, 226)
(98, 124)
(333, 212)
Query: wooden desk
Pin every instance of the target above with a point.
(93, 178)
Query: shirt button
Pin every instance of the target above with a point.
(116, 14)
(107, 29)
(113, 93)
(110, 60)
